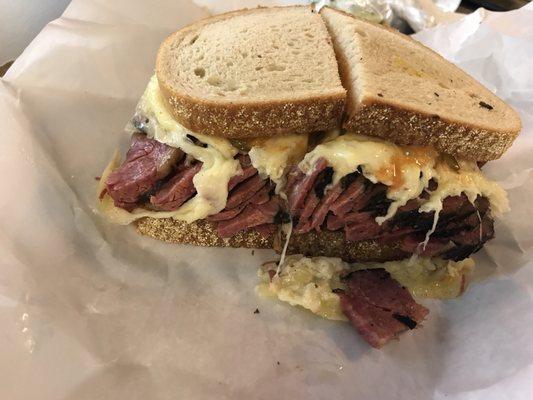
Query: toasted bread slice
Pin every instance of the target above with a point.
(326, 243)
(404, 92)
(250, 73)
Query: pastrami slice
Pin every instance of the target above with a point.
(177, 190)
(378, 307)
(147, 161)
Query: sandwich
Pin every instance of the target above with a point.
(313, 134)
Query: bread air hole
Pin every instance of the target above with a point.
(194, 39)
(199, 72)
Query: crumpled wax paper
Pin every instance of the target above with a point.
(91, 310)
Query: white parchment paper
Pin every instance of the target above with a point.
(90, 310)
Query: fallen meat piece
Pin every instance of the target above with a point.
(177, 190)
(147, 161)
(378, 307)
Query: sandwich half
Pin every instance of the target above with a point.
(364, 141)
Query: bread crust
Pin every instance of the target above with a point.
(265, 119)
(405, 126)
(326, 243)
(244, 119)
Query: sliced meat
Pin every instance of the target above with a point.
(377, 202)
(241, 177)
(362, 201)
(378, 307)
(253, 215)
(478, 235)
(304, 222)
(310, 204)
(261, 196)
(147, 161)
(344, 203)
(177, 190)
(323, 181)
(245, 191)
(300, 184)
(321, 211)
(455, 226)
(362, 231)
(334, 222)
(226, 214)
(482, 205)
(469, 242)
(294, 176)
(361, 226)
(247, 171)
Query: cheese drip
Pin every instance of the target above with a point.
(406, 170)
(218, 163)
(269, 156)
(272, 156)
(309, 282)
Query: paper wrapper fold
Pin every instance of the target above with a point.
(91, 310)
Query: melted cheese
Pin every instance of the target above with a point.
(308, 282)
(219, 165)
(468, 180)
(189, 212)
(406, 170)
(272, 156)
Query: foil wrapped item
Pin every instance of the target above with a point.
(402, 14)
(378, 11)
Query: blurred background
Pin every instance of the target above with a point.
(22, 20)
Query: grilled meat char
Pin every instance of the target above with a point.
(353, 204)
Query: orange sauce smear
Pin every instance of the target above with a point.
(405, 156)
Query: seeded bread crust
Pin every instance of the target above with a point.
(328, 244)
(249, 117)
